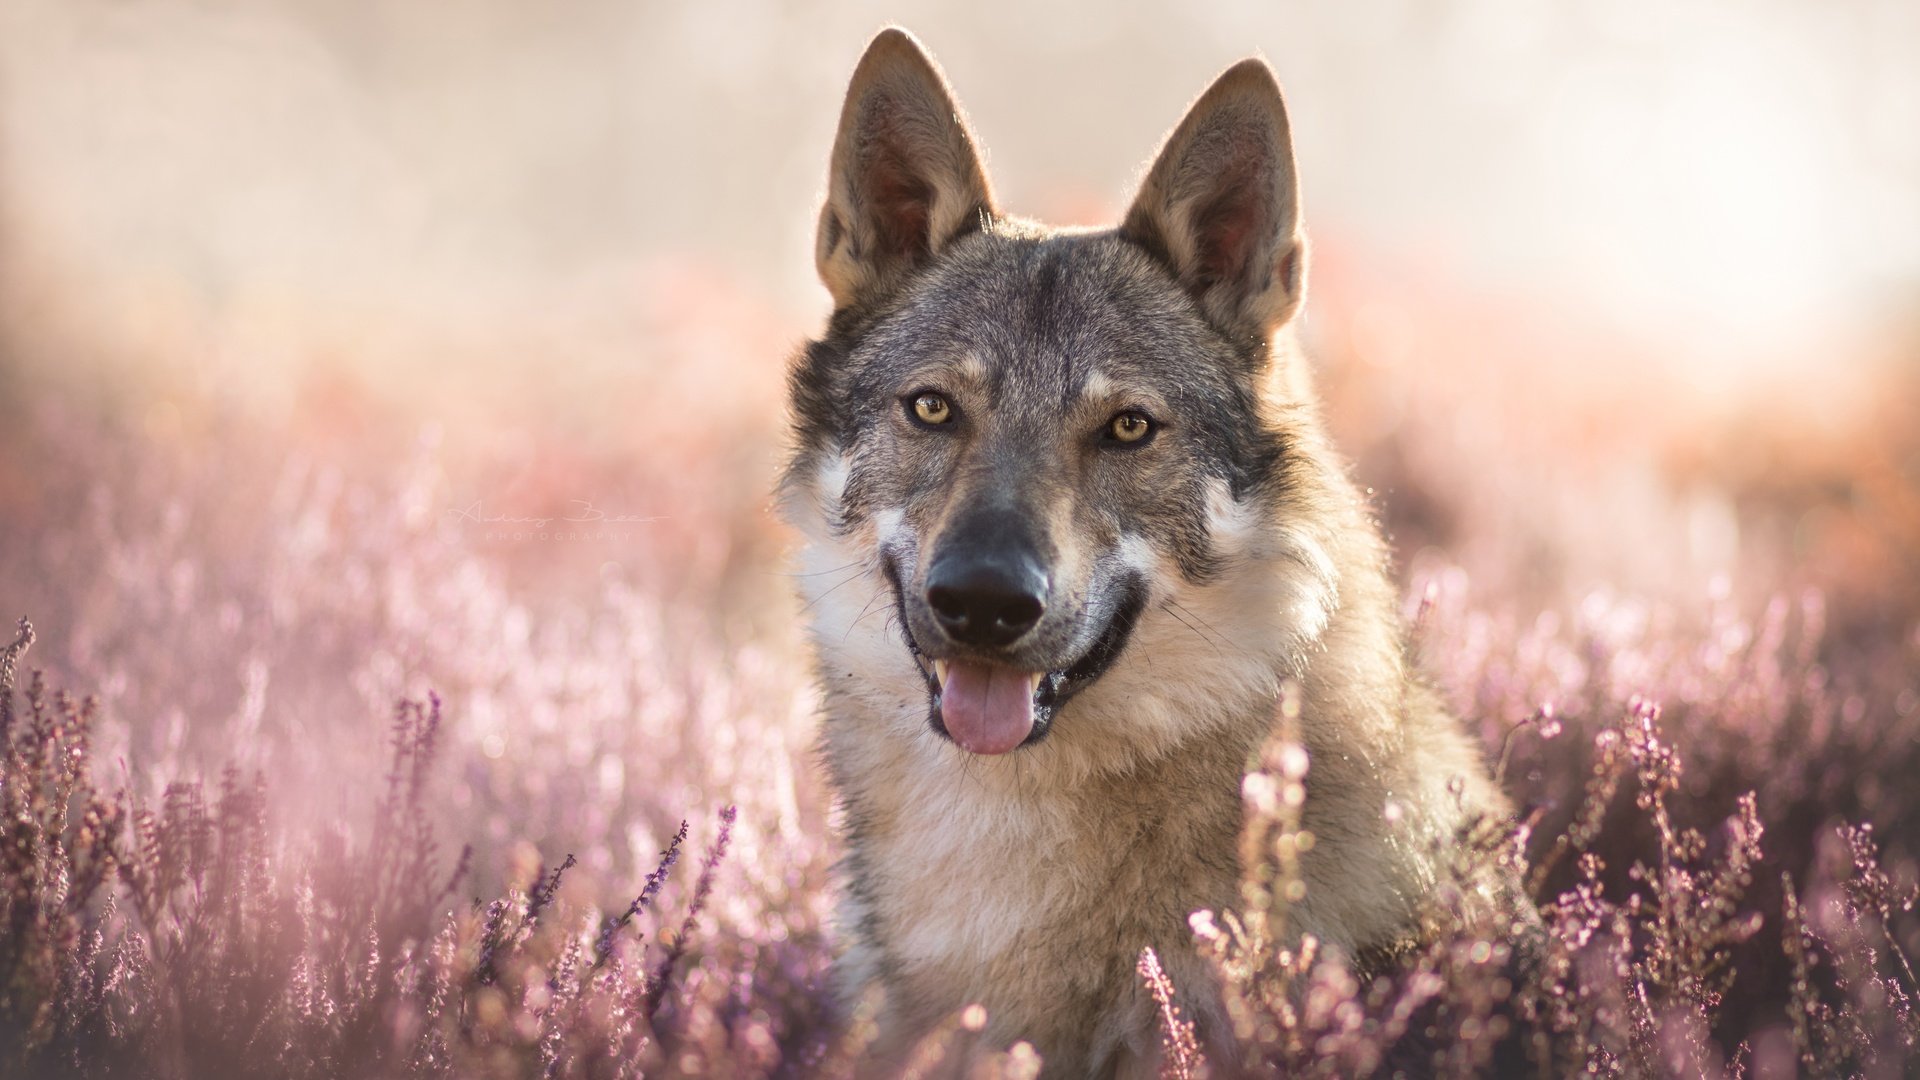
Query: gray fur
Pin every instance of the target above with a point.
(1029, 882)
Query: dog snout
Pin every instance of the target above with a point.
(988, 600)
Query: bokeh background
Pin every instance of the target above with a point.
(353, 349)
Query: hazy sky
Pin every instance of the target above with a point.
(1741, 168)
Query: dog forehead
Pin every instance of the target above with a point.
(1062, 311)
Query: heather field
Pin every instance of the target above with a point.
(414, 686)
(313, 770)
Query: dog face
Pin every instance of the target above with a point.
(1022, 437)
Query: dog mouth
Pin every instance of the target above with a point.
(991, 708)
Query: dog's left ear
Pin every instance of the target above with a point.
(906, 179)
(1221, 205)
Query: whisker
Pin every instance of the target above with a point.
(813, 573)
(1169, 607)
(1218, 636)
(864, 612)
(834, 588)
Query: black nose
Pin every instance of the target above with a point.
(987, 601)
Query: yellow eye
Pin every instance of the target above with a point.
(932, 409)
(1129, 427)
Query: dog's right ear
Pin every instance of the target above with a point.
(906, 178)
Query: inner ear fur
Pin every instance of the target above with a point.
(906, 178)
(1220, 206)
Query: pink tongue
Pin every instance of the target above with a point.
(987, 710)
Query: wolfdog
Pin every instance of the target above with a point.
(1070, 524)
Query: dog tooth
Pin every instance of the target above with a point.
(1033, 682)
(940, 672)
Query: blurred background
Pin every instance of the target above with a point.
(1640, 224)
(351, 348)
